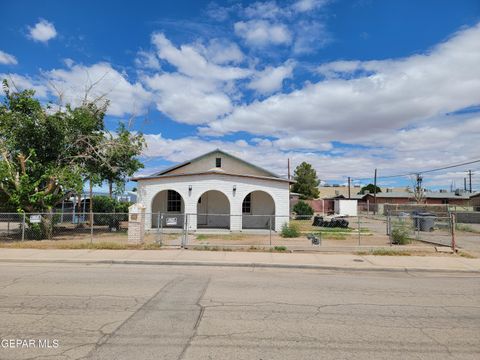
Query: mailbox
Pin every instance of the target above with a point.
(135, 211)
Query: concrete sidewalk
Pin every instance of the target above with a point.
(244, 259)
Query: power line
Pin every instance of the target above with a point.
(422, 172)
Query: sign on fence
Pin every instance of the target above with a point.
(35, 219)
(171, 221)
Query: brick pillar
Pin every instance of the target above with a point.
(136, 224)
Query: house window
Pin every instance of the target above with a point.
(174, 201)
(218, 162)
(247, 204)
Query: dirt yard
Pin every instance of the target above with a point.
(369, 231)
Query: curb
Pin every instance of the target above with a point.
(241, 265)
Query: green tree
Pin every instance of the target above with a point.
(121, 158)
(370, 188)
(46, 155)
(306, 181)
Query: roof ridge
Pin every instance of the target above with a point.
(173, 167)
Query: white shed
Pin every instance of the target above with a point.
(346, 207)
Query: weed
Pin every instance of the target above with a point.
(290, 231)
(332, 235)
(94, 246)
(466, 255)
(384, 252)
(400, 235)
(152, 246)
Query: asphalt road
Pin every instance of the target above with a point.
(158, 312)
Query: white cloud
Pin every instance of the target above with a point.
(271, 78)
(265, 10)
(204, 79)
(43, 31)
(22, 82)
(147, 60)
(178, 150)
(190, 62)
(99, 81)
(310, 35)
(271, 155)
(412, 153)
(307, 5)
(262, 32)
(186, 100)
(398, 93)
(223, 52)
(7, 59)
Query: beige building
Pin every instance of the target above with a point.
(215, 190)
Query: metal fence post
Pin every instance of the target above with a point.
(416, 220)
(23, 227)
(388, 222)
(270, 229)
(158, 228)
(91, 229)
(389, 227)
(185, 225)
(161, 228)
(453, 224)
(359, 236)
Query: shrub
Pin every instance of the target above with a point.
(302, 208)
(280, 248)
(105, 204)
(290, 231)
(400, 235)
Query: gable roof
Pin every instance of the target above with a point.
(165, 172)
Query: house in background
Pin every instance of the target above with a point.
(458, 198)
(216, 190)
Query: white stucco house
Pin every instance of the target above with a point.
(215, 190)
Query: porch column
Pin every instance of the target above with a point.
(235, 213)
(191, 212)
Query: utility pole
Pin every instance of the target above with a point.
(375, 194)
(419, 183)
(470, 180)
(288, 166)
(465, 184)
(418, 189)
(349, 187)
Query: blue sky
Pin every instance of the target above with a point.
(345, 85)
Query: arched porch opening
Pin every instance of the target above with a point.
(258, 210)
(213, 210)
(168, 208)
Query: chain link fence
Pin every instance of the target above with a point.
(227, 231)
(62, 226)
(404, 228)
